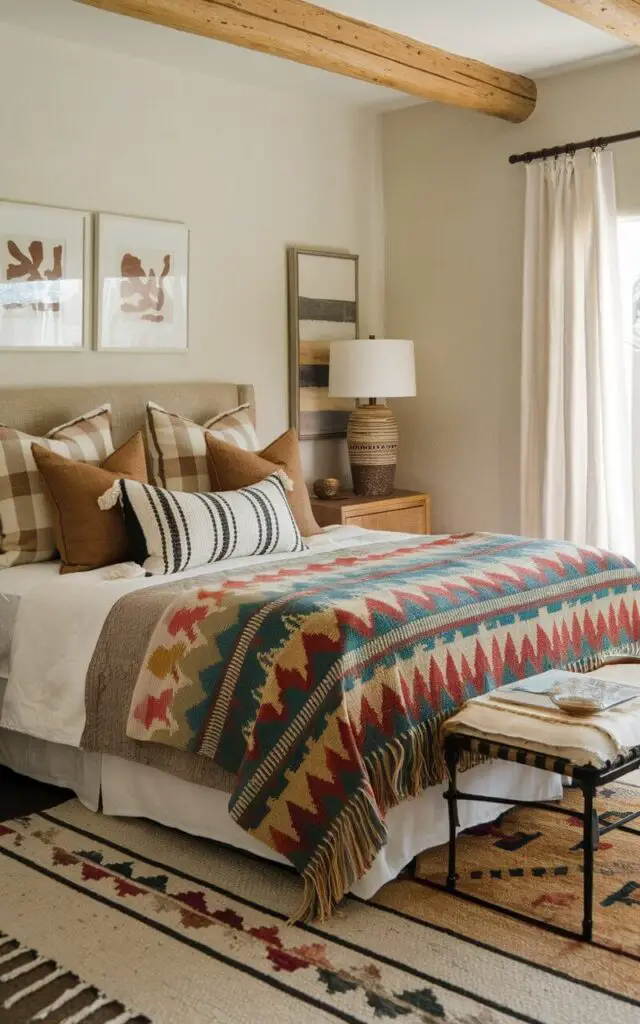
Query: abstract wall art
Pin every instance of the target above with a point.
(323, 307)
(45, 257)
(142, 284)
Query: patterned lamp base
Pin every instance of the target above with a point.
(372, 439)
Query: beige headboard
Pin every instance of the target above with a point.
(37, 410)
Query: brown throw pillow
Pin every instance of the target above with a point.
(86, 537)
(231, 468)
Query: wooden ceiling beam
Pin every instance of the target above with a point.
(619, 17)
(302, 32)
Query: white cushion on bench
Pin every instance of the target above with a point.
(596, 740)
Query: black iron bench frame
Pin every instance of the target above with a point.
(586, 778)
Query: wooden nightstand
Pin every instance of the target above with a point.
(403, 511)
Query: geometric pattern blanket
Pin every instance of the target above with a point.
(322, 685)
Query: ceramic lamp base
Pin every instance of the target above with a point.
(372, 440)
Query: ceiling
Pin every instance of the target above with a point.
(518, 35)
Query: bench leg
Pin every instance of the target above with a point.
(451, 755)
(589, 845)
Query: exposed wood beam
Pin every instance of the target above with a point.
(302, 32)
(620, 17)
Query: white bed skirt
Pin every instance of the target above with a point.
(133, 790)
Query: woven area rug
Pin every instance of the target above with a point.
(107, 920)
(531, 862)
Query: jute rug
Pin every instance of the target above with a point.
(106, 920)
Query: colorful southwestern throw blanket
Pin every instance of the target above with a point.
(322, 685)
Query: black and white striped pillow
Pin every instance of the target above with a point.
(173, 530)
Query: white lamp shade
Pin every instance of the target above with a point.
(372, 368)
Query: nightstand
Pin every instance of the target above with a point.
(402, 511)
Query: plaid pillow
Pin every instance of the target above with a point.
(178, 449)
(26, 533)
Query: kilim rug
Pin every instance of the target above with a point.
(531, 862)
(110, 921)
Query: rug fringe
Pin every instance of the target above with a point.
(27, 988)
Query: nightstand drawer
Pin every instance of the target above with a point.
(403, 520)
(400, 511)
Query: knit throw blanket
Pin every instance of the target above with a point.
(322, 685)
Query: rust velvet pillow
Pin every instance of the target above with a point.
(86, 537)
(231, 468)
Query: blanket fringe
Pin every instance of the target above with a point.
(591, 662)
(344, 856)
(405, 767)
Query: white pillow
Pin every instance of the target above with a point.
(174, 530)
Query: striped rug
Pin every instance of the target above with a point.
(107, 921)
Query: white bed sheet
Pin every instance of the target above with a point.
(14, 584)
(59, 622)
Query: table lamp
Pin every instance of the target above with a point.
(382, 367)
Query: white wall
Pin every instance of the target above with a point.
(454, 225)
(249, 171)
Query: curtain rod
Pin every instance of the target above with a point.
(572, 147)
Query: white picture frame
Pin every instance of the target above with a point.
(142, 285)
(45, 278)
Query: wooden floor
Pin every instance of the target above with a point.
(19, 795)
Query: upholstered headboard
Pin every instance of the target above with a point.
(36, 410)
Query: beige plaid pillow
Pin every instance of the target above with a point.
(178, 449)
(26, 533)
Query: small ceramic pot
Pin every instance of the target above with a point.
(328, 487)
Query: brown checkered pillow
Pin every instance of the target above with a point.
(178, 449)
(26, 533)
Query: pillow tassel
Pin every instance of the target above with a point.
(284, 479)
(111, 497)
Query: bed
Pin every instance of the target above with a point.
(45, 731)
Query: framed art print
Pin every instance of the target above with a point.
(323, 307)
(45, 257)
(142, 285)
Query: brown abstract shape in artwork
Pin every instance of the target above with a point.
(27, 267)
(148, 289)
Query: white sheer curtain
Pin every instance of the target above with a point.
(576, 478)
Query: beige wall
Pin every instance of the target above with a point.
(249, 171)
(454, 225)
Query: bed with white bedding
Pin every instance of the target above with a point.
(43, 719)
(56, 625)
(44, 715)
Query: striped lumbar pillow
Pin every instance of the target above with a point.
(174, 530)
